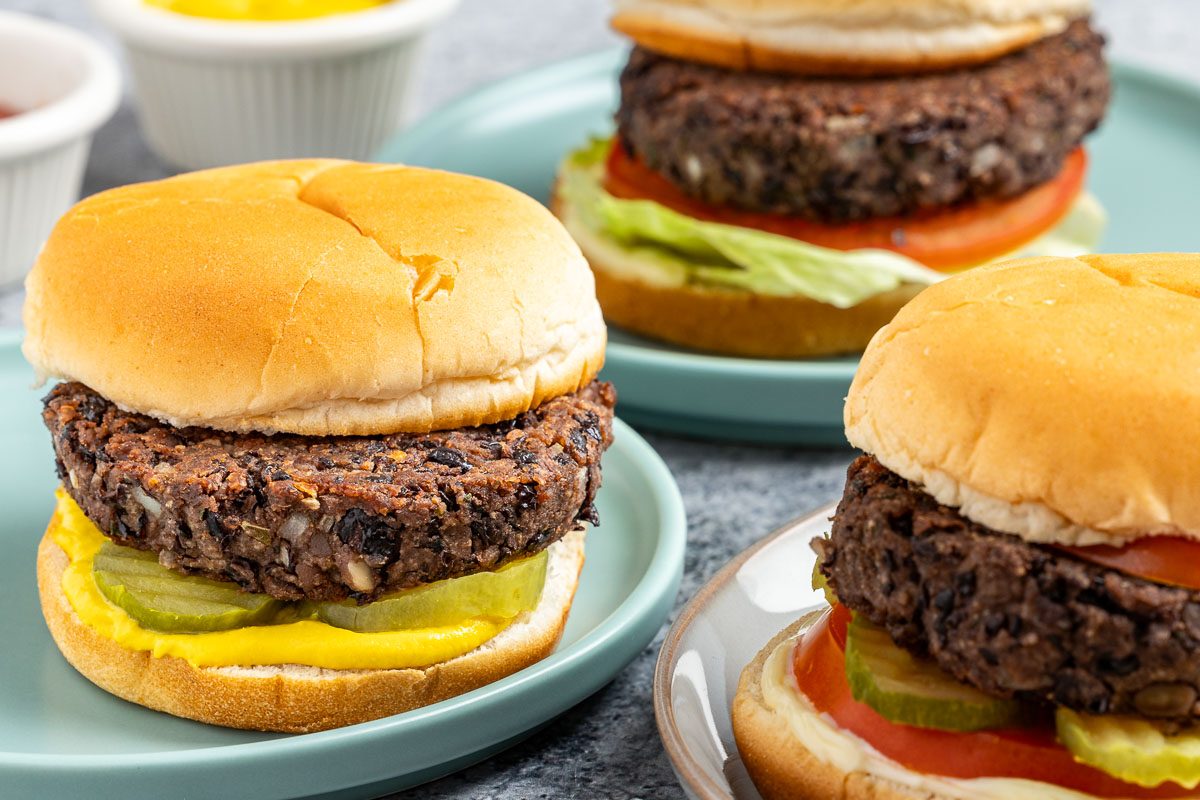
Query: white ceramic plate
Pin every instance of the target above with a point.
(754, 597)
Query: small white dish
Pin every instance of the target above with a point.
(754, 597)
(213, 92)
(63, 87)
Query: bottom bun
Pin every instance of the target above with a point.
(779, 763)
(724, 321)
(300, 699)
(742, 323)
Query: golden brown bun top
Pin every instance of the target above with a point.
(843, 37)
(1056, 399)
(317, 297)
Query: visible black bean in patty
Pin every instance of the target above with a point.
(329, 518)
(845, 149)
(1010, 617)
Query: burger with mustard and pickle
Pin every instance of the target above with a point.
(786, 174)
(1014, 567)
(328, 435)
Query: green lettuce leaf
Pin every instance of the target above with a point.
(719, 255)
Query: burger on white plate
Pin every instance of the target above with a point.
(1015, 564)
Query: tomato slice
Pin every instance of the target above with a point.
(956, 238)
(819, 666)
(1164, 559)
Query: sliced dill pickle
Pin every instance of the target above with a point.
(821, 583)
(503, 594)
(162, 600)
(914, 691)
(1131, 749)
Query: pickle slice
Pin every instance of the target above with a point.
(162, 600)
(914, 691)
(503, 594)
(1131, 749)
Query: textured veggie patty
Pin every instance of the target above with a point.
(1011, 618)
(328, 518)
(848, 149)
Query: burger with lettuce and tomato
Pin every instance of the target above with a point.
(1014, 568)
(785, 175)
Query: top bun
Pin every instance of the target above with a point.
(843, 37)
(315, 297)
(1052, 398)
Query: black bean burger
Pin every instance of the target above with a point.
(328, 434)
(786, 174)
(1014, 568)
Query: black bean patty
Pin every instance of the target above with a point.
(849, 149)
(329, 518)
(1012, 618)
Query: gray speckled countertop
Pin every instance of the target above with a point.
(608, 746)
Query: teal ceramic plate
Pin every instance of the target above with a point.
(62, 737)
(1145, 169)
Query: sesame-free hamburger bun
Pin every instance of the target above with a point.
(315, 297)
(843, 37)
(1005, 391)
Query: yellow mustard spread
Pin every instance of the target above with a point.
(265, 10)
(308, 642)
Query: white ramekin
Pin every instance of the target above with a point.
(214, 92)
(65, 87)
